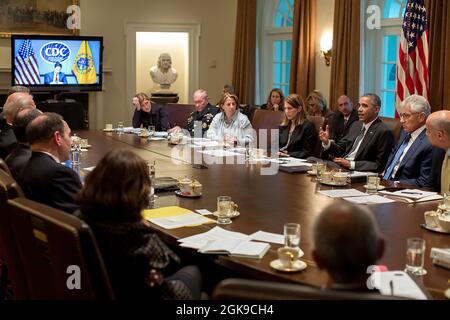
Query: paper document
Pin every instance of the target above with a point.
(342, 193)
(397, 283)
(220, 153)
(217, 233)
(267, 237)
(373, 199)
(412, 195)
(156, 138)
(295, 164)
(236, 247)
(184, 220)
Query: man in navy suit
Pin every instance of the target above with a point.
(410, 161)
(44, 179)
(367, 145)
(56, 76)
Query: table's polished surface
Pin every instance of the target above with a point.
(267, 202)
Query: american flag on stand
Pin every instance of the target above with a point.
(27, 69)
(412, 64)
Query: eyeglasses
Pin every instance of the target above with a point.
(406, 116)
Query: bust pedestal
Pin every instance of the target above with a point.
(164, 97)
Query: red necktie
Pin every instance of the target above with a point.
(56, 78)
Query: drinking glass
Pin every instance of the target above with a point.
(321, 168)
(151, 174)
(223, 209)
(415, 254)
(373, 182)
(151, 131)
(446, 201)
(292, 235)
(120, 127)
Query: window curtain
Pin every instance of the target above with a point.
(245, 52)
(345, 52)
(439, 55)
(303, 60)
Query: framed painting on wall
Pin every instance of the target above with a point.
(48, 17)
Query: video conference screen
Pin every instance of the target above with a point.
(56, 61)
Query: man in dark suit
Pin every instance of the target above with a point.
(13, 104)
(44, 179)
(340, 122)
(367, 145)
(56, 76)
(147, 113)
(410, 161)
(438, 133)
(19, 157)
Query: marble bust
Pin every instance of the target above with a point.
(163, 73)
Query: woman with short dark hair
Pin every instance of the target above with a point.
(137, 260)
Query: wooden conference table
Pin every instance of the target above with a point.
(267, 202)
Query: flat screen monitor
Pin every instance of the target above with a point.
(57, 63)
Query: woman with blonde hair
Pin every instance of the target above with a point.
(230, 125)
(317, 104)
(275, 100)
(298, 136)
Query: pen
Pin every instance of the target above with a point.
(406, 192)
(391, 284)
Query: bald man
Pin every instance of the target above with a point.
(15, 102)
(438, 133)
(346, 242)
(341, 121)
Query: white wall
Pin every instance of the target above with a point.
(107, 18)
(324, 23)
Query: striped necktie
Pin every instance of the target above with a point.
(357, 140)
(445, 174)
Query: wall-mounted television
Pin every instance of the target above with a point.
(57, 63)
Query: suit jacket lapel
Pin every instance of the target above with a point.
(368, 137)
(413, 148)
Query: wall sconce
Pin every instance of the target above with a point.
(326, 43)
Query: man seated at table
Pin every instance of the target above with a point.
(367, 145)
(346, 242)
(410, 161)
(44, 179)
(438, 133)
(203, 114)
(341, 121)
(13, 104)
(20, 155)
(148, 113)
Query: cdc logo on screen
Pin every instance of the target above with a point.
(55, 52)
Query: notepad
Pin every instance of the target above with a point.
(173, 217)
(236, 248)
(412, 195)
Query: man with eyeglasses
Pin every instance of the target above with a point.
(410, 161)
(367, 145)
(438, 133)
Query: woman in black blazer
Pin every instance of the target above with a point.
(298, 136)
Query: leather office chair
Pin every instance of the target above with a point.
(179, 113)
(318, 123)
(393, 125)
(4, 166)
(245, 289)
(59, 252)
(9, 253)
(264, 119)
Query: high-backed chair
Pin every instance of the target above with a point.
(179, 113)
(393, 125)
(4, 166)
(12, 267)
(264, 119)
(59, 253)
(318, 123)
(245, 289)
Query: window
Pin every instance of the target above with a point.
(274, 46)
(380, 54)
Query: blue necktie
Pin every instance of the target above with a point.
(397, 157)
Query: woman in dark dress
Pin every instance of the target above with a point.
(138, 262)
(298, 136)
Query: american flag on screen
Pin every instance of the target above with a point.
(27, 69)
(412, 64)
